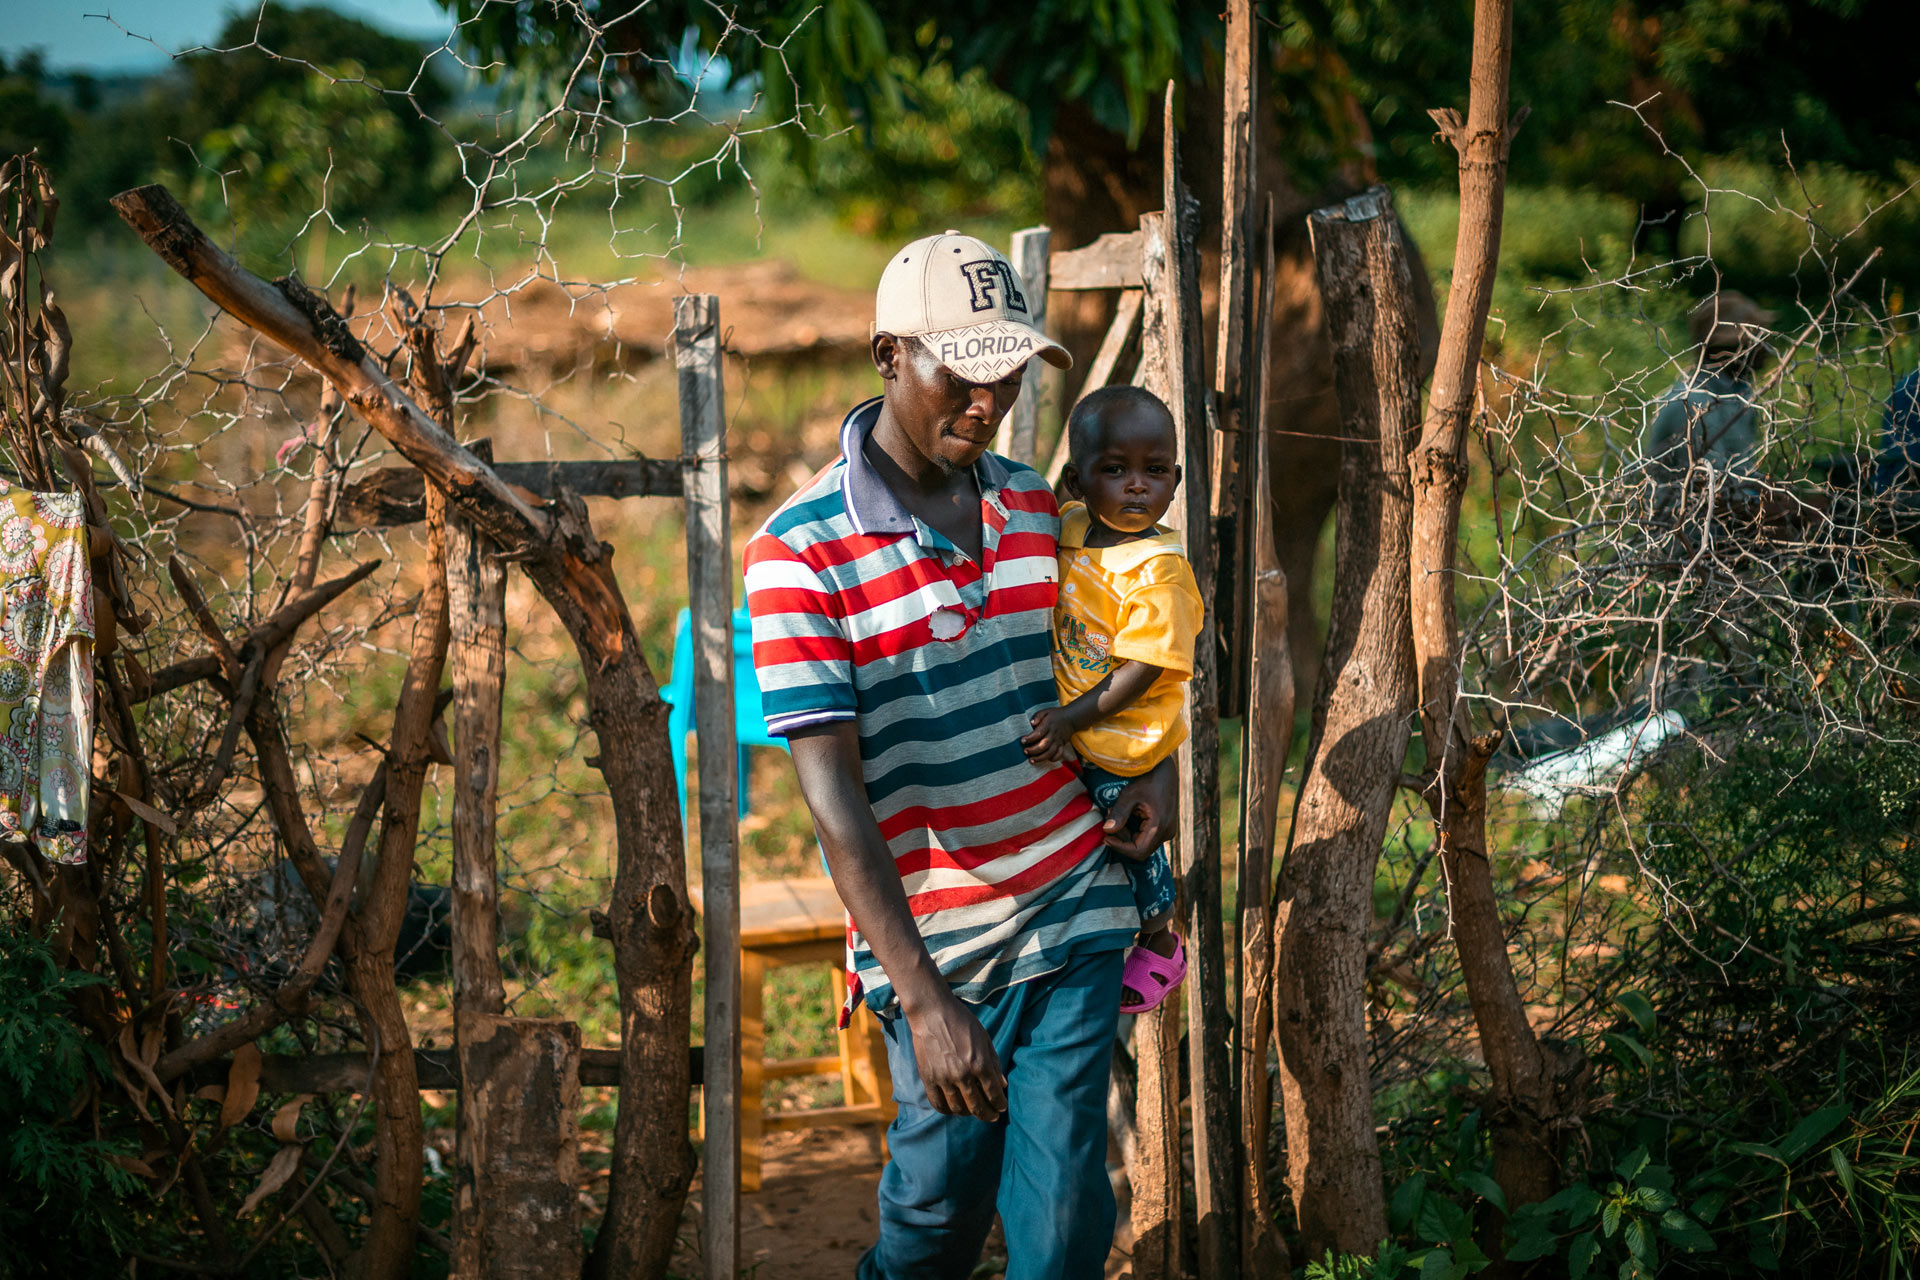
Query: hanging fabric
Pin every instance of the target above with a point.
(46, 671)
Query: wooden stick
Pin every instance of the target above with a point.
(1018, 437)
(696, 354)
(476, 600)
(1266, 739)
(396, 495)
(1157, 1176)
(1174, 279)
(1233, 376)
(433, 1069)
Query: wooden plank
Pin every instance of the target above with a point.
(1172, 280)
(1111, 262)
(785, 1068)
(517, 1202)
(477, 652)
(397, 495)
(750, 1106)
(432, 1068)
(1234, 350)
(696, 353)
(1018, 437)
(1266, 740)
(1113, 349)
(824, 1118)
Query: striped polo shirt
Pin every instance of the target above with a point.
(862, 612)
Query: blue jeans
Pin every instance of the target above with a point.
(1152, 877)
(1044, 1166)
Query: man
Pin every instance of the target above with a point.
(1707, 418)
(901, 603)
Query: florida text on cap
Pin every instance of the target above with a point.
(964, 299)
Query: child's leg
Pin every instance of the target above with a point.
(1151, 877)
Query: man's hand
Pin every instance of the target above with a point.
(958, 1066)
(956, 1059)
(1051, 741)
(1144, 813)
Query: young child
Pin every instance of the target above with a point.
(1123, 636)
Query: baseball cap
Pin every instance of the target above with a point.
(964, 299)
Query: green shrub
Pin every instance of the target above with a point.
(65, 1200)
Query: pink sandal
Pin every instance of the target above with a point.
(1152, 976)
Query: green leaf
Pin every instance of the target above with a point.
(1610, 1218)
(1763, 1257)
(1811, 1130)
(1758, 1150)
(1636, 1237)
(1579, 1202)
(1486, 1188)
(1684, 1232)
(1437, 1265)
(1636, 1006)
(1626, 1046)
(1632, 1163)
(1652, 1199)
(1708, 1206)
(1580, 1257)
(1842, 1167)
(1406, 1201)
(1534, 1240)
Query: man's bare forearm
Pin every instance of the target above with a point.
(827, 758)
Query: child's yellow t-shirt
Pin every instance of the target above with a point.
(1137, 602)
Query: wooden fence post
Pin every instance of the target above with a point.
(1157, 1175)
(477, 626)
(1235, 377)
(519, 1172)
(696, 354)
(1173, 321)
(1018, 437)
(1266, 739)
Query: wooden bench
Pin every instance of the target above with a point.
(789, 922)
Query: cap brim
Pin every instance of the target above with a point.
(990, 351)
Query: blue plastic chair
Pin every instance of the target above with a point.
(749, 719)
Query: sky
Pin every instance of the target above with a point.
(76, 35)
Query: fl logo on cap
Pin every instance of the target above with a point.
(984, 277)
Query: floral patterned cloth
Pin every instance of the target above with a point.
(46, 671)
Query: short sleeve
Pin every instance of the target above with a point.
(1161, 616)
(800, 651)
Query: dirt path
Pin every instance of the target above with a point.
(815, 1213)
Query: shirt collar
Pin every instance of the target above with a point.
(871, 505)
(1128, 556)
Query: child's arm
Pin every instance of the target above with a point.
(1054, 727)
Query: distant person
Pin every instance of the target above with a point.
(1707, 418)
(902, 608)
(1894, 468)
(1123, 636)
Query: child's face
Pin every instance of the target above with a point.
(1128, 481)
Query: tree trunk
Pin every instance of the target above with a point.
(1524, 1138)
(1361, 726)
(387, 1250)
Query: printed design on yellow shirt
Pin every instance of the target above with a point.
(1087, 649)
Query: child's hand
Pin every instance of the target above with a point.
(1051, 741)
